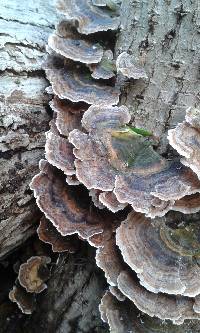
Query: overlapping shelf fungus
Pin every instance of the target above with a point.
(104, 182)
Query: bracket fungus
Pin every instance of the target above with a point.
(123, 317)
(119, 315)
(189, 204)
(112, 4)
(109, 200)
(68, 115)
(168, 261)
(106, 200)
(70, 81)
(163, 306)
(126, 66)
(113, 157)
(117, 293)
(25, 301)
(91, 142)
(109, 261)
(90, 18)
(73, 46)
(59, 152)
(105, 69)
(94, 194)
(175, 308)
(185, 138)
(34, 273)
(61, 204)
(47, 233)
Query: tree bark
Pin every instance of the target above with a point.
(76, 286)
(163, 37)
(24, 29)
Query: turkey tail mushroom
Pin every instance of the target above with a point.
(71, 45)
(92, 143)
(118, 273)
(89, 18)
(34, 273)
(68, 115)
(127, 68)
(61, 204)
(162, 306)
(59, 152)
(47, 233)
(70, 81)
(125, 163)
(185, 138)
(123, 317)
(25, 301)
(165, 263)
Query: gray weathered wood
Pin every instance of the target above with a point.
(161, 35)
(24, 29)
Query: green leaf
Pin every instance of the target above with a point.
(139, 131)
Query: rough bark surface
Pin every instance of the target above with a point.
(164, 37)
(76, 286)
(24, 29)
(71, 301)
(161, 35)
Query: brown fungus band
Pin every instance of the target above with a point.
(68, 43)
(185, 138)
(148, 265)
(90, 18)
(72, 82)
(169, 260)
(34, 273)
(47, 233)
(112, 157)
(164, 306)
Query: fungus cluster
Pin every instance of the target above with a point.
(32, 276)
(99, 168)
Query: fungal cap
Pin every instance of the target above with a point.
(105, 69)
(165, 263)
(76, 48)
(61, 204)
(33, 274)
(162, 306)
(126, 66)
(77, 85)
(68, 115)
(185, 138)
(25, 301)
(47, 233)
(90, 18)
(59, 152)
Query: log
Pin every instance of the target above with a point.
(161, 36)
(24, 29)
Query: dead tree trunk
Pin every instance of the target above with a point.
(24, 29)
(162, 36)
(76, 286)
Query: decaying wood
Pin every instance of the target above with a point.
(76, 286)
(24, 29)
(164, 37)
